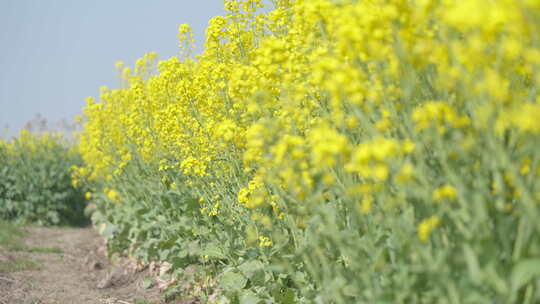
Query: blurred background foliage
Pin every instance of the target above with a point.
(35, 180)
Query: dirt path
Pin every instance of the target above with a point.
(68, 265)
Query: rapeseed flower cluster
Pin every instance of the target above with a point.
(327, 129)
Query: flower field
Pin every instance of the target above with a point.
(377, 151)
(35, 180)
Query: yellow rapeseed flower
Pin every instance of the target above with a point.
(265, 241)
(113, 195)
(445, 192)
(426, 227)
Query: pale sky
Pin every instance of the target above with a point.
(54, 53)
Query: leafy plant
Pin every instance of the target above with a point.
(35, 181)
(332, 152)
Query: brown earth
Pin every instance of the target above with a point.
(74, 270)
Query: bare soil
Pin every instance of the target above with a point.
(74, 270)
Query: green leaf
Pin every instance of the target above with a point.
(251, 267)
(285, 296)
(213, 251)
(148, 282)
(524, 271)
(233, 281)
(248, 297)
(472, 264)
